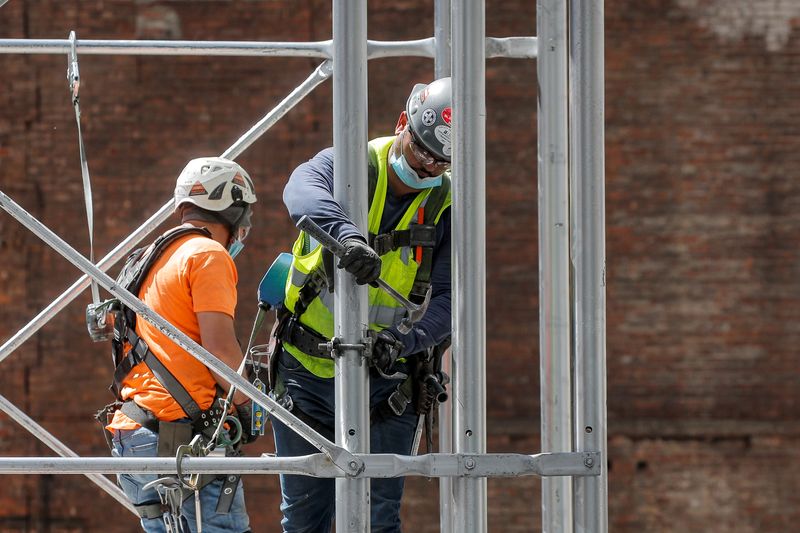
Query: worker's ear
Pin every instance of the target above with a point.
(401, 123)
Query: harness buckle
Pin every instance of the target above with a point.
(422, 235)
(140, 350)
(383, 243)
(398, 401)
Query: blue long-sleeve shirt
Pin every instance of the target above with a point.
(310, 192)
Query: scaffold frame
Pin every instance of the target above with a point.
(569, 50)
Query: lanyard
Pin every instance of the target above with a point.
(74, 79)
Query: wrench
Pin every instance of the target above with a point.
(413, 312)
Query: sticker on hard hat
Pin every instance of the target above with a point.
(423, 95)
(197, 189)
(443, 136)
(429, 117)
(446, 114)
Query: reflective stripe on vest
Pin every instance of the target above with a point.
(398, 270)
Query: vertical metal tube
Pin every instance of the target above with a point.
(350, 303)
(442, 68)
(441, 35)
(587, 210)
(469, 256)
(554, 295)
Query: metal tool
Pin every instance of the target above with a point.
(413, 312)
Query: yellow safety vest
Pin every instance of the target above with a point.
(399, 268)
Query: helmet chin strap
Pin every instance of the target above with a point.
(235, 246)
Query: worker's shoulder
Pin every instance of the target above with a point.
(194, 244)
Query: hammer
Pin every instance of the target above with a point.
(413, 312)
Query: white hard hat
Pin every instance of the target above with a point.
(214, 183)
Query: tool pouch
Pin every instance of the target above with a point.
(171, 435)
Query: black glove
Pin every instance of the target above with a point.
(386, 350)
(361, 261)
(245, 414)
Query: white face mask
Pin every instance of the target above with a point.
(408, 176)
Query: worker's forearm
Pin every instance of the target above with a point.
(231, 356)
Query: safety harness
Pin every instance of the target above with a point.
(171, 435)
(421, 237)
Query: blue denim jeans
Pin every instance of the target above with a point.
(143, 443)
(308, 504)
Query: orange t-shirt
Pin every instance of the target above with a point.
(193, 275)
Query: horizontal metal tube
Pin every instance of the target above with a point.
(511, 47)
(167, 48)
(375, 465)
(418, 48)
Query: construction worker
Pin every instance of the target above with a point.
(409, 247)
(169, 396)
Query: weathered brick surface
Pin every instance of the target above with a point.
(703, 214)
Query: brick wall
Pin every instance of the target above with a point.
(703, 214)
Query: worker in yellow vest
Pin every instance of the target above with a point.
(409, 247)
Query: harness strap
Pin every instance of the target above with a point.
(416, 235)
(315, 283)
(304, 338)
(151, 510)
(141, 353)
(205, 424)
(396, 403)
(323, 429)
(227, 493)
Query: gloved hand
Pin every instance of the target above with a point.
(245, 413)
(361, 261)
(385, 350)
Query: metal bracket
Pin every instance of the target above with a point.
(335, 345)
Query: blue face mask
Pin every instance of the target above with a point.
(409, 177)
(235, 248)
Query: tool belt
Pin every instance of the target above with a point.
(171, 435)
(205, 424)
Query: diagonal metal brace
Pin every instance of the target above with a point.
(342, 458)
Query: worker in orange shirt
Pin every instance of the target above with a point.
(166, 396)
